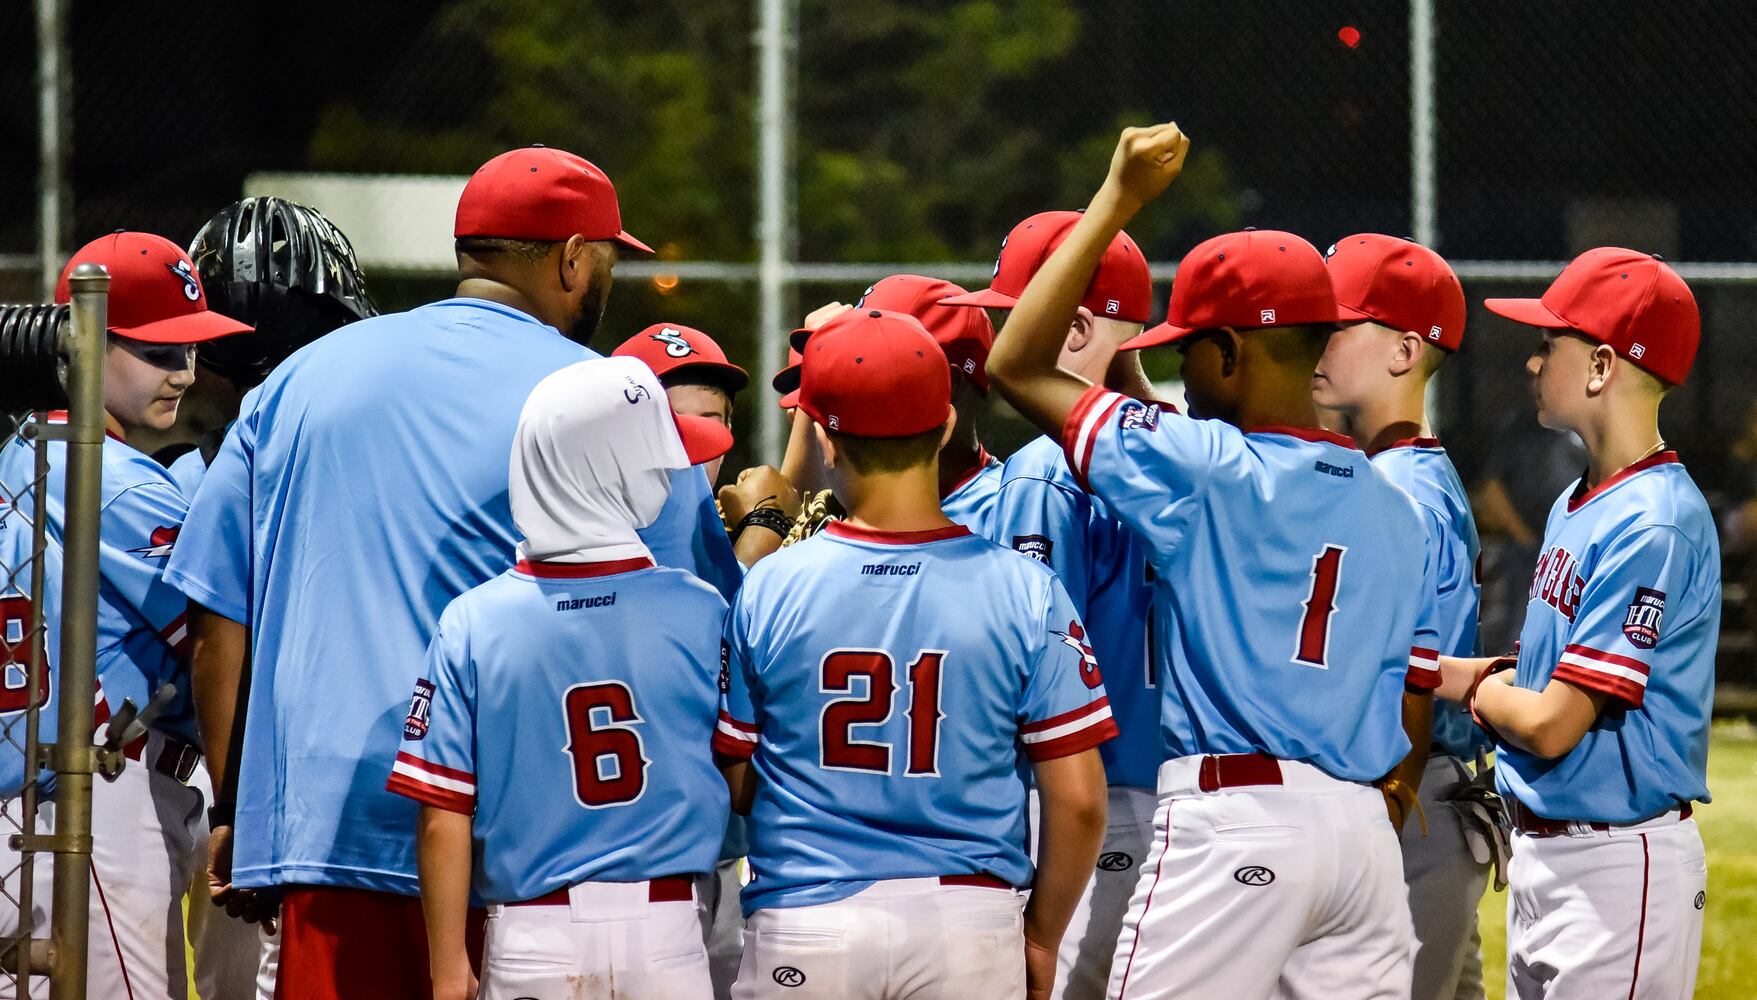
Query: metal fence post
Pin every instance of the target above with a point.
(74, 757)
(774, 119)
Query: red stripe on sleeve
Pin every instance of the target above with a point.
(1622, 689)
(1073, 743)
(439, 798)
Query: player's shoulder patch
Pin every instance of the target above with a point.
(420, 711)
(1140, 416)
(1038, 547)
(1641, 623)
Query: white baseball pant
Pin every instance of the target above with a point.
(1266, 879)
(1445, 885)
(716, 894)
(639, 940)
(145, 826)
(1614, 913)
(899, 939)
(1082, 964)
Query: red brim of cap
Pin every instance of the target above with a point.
(726, 376)
(790, 401)
(1154, 336)
(786, 382)
(982, 297)
(704, 439)
(624, 238)
(1349, 314)
(190, 328)
(797, 338)
(1531, 312)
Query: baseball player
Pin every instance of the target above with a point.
(1601, 722)
(147, 822)
(560, 732)
(876, 719)
(699, 381)
(356, 495)
(969, 476)
(290, 274)
(694, 371)
(1286, 578)
(1044, 513)
(1403, 315)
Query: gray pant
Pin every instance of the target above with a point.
(1445, 885)
(716, 896)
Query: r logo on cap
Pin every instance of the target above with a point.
(834, 423)
(1434, 333)
(1636, 350)
(1268, 316)
(1112, 306)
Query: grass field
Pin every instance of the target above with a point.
(1729, 829)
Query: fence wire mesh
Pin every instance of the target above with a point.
(24, 689)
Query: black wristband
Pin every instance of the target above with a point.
(221, 814)
(773, 518)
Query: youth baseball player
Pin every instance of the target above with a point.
(291, 275)
(1403, 314)
(697, 377)
(969, 476)
(1043, 513)
(1601, 722)
(357, 494)
(699, 381)
(147, 823)
(876, 716)
(558, 740)
(1287, 575)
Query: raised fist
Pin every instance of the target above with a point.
(1146, 161)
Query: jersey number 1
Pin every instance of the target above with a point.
(609, 762)
(1314, 625)
(840, 751)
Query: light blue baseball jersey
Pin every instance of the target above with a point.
(891, 715)
(1625, 601)
(570, 708)
(1421, 467)
(187, 470)
(970, 502)
(142, 633)
(1043, 513)
(362, 488)
(1288, 575)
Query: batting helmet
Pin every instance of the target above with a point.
(283, 268)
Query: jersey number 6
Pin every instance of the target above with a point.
(609, 763)
(839, 751)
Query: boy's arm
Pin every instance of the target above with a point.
(1403, 784)
(1022, 363)
(1549, 723)
(442, 844)
(1071, 831)
(740, 781)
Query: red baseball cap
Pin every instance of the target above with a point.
(786, 381)
(1121, 288)
(1632, 301)
(539, 193)
(678, 353)
(873, 373)
(965, 335)
(1252, 279)
(1398, 283)
(155, 295)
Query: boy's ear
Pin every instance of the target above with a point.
(1229, 342)
(825, 446)
(1407, 356)
(951, 425)
(1081, 330)
(1604, 362)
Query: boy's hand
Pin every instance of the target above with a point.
(1145, 163)
(1039, 970)
(454, 981)
(823, 314)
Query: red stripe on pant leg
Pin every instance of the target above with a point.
(114, 942)
(1148, 905)
(1641, 935)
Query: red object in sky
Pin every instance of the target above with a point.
(1350, 35)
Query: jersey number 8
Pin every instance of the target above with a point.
(840, 751)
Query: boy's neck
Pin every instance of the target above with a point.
(893, 501)
(1624, 436)
(957, 459)
(1278, 399)
(1380, 423)
(115, 427)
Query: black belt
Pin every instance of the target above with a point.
(176, 758)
